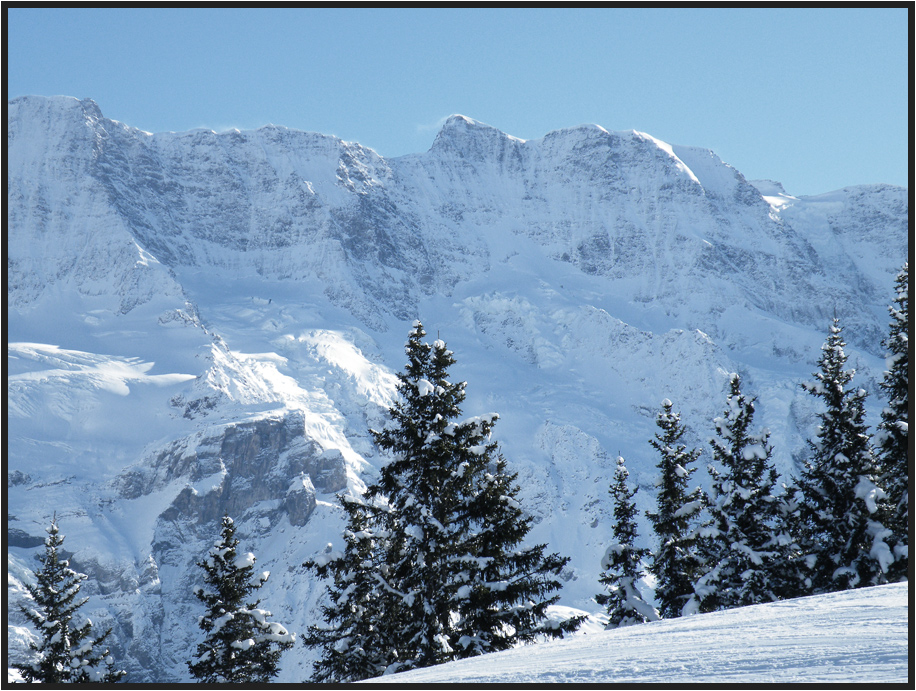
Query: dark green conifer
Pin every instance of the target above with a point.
(355, 638)
(843, 538)
(622, 563)
(748, 546)
(435, 552)
(66, 653)
(240, 645)
(675, 563)
(892, 438)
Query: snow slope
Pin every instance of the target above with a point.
(854, 637)
(203, 323)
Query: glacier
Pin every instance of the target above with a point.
(204, 322)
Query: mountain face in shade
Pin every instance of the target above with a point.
(204, 323)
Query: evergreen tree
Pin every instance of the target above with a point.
(892, 438)
(357, 641)
(675, 562)
(747, 549)
(842, 537)
(622, 561)
(434, 555)
(455, 525)
(790, 577)
(66, 654)
(241, 645)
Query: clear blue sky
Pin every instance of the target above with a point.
(815, 98)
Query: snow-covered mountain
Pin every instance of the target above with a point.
(201, 323)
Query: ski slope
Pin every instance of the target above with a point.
(858, 636)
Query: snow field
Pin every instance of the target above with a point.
(859, 636)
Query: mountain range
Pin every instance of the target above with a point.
(203, 323)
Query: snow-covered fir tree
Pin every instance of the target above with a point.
(790, 576)
(892, 437)
(843, 540)
(622, 562)
(66, 653)
(434, 554)
(675, 562)
(355, 640)
(240, 644)
(454, 525)
(747, 547)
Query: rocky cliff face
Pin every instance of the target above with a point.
(204, 323)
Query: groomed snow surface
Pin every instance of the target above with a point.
(857, 636)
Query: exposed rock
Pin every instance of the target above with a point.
(234, 468)
(19, 538)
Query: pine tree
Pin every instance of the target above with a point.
(748, 547)
(455, 525)
(241, 645)
(842, 537)
(435, 554)
(66, 654)
(892, 438)
(622, 562)
(675, 562)
(356, 641)
(792, 579)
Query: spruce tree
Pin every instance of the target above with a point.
(843, 539)
(622, 563)
(892, 438)
(66, 653)
(747, 547)
(455, 525)
(435, 553)
(790, 577)
(675, 562)
(356, 641)
(501, 590)
(240, 645)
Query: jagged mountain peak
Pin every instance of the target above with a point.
(293, 204)
(60, 104)
(462, 123)
(34, 119)
(459, 120)
(465, 136)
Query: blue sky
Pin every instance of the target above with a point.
(815, 98)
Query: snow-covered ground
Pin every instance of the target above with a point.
(858, 636)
